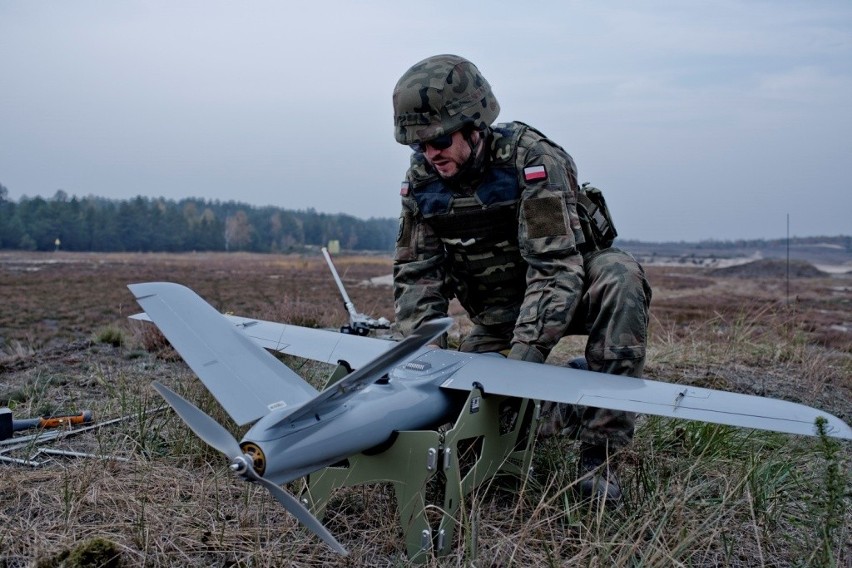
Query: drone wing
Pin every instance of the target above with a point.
(587, 388)
(315, 344)
(247, 380)
(305, 342)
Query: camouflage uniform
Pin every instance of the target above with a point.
(510, 251)
(506, 240)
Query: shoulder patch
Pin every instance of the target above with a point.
(535, 173)
(405, 189)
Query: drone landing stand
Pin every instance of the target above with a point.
(432, 471)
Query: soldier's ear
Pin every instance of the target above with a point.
(470, 133)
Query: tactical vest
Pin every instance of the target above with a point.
(480, 231)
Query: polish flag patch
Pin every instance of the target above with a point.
(535, 173)
(403, 191)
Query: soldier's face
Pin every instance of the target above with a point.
(448, 161)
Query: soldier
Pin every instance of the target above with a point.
(493, 216)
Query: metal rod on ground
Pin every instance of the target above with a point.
(30, 463)
(69, 453)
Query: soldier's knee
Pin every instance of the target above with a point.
(625, 283)
(613, 267)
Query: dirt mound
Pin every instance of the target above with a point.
(770, 268)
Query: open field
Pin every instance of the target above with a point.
(696, 495)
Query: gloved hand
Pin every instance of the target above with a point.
(526, 353)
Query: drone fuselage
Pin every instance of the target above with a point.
(408, 398)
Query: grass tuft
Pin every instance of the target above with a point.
(95, 552)
(110, 335)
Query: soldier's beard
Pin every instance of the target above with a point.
(469, 174)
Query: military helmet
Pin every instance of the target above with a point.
(440, 95)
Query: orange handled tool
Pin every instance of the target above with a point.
(57, 421)
(8, 425)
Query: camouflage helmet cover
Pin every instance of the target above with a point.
(438, 96)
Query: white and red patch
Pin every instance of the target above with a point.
(405, 189)
(535, 173)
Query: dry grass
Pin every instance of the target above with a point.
(696, 494)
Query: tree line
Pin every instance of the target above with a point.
(147, 224)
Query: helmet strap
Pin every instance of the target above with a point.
(470, 172)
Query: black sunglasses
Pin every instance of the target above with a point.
(439, 143)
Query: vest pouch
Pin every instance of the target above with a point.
(595, 220)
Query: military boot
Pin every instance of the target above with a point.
(597, 476)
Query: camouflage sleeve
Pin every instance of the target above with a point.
(549, 232)
(419, 289)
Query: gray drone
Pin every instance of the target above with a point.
(396, 387)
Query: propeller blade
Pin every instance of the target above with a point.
(210, 431)
(216, 436)
(295, 508)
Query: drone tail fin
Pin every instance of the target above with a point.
(246, 379)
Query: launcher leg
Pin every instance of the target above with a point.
(492, 436)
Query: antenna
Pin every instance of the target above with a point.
(788, 259)
(359, 324)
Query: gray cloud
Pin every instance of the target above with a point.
(699, 121)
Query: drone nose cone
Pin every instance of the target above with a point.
(258, 458)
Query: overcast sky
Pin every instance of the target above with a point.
(700, 120)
